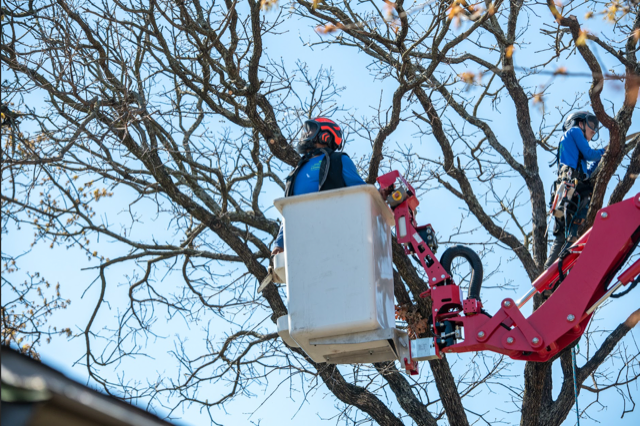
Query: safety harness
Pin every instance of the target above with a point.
(570, 198)
(571, 183)
(330, 175)
(580, 174)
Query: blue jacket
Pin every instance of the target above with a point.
(308, 178)
(574, 145)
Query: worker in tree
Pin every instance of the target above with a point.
(576, 164)
(322, 167)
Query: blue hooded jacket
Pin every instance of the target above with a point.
(574, 145)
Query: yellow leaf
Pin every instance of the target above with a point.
(315, 4)
(509, 51)
(455, 11)
(612, 11)
(588, 15)
(554, 10)
(582, 38)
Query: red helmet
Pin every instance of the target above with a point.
(322, 130)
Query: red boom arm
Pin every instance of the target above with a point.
(593, 262)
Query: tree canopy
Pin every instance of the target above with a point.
(165, 128)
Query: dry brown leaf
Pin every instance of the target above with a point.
(328, 28)
(455, 11)
(560, 71)
(467, 77)
(267, 5)
(537, 98)
(388, 8)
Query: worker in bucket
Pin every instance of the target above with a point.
(571, 193)
(323, 165)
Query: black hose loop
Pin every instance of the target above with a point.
(631, 286)
(474, 261)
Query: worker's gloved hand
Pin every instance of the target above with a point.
(277, 250)
(384, 192)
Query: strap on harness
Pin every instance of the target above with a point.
(289, 181)
(561, 257)
(579, 172)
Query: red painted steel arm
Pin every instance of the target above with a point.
(560, 320)
(592, 262)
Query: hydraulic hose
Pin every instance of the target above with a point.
(474, 261)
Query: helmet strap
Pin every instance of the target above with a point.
(583, 128)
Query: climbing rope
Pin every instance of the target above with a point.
(575, 382)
